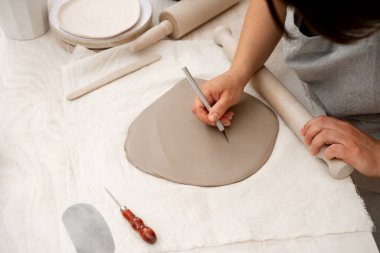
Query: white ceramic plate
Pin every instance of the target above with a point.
(98, 18)
(70, 40)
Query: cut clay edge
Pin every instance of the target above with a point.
(261, 163)
(112, 35)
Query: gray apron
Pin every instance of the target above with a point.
(344, 80)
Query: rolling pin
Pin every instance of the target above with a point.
(180, 19)
(289, 109)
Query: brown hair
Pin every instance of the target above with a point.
(340, 21)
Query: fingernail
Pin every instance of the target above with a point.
(213, 117)
(226, 122)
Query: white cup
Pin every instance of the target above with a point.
(24, 19)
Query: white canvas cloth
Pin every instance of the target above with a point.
(291, 196)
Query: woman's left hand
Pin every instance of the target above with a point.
(345, 142)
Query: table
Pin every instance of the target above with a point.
(33, 176)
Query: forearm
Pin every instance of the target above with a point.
(258, 38)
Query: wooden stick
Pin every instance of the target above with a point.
(290, 110)
(143, 62)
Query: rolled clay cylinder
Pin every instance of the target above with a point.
(289, 109)
(180, 19)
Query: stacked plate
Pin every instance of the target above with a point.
(99, 24)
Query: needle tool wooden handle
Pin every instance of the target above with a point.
(146, 233)
(282, 101)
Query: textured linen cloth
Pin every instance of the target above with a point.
(291, 196)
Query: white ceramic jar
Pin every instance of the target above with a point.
(24, 19)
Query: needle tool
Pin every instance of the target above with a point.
(146, 233)
(202, 97)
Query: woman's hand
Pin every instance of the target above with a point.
(221, 92)
(345, 142)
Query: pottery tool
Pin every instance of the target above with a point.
(68, 40)
(87, 229)
(142, 62)
(181, 18)
(146, 233)
(202, 97)
(290, 110)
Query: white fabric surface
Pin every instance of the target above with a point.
(332, 243)
(290, 197)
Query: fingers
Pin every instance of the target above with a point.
(200, 111)
(218, 109)
(226, 119)
(221, 92)
(325, 137)
(314, 126)
(322, 131)
(345, 142)
(347, 154)
(338, 151)
(325, 130)
(202, 114)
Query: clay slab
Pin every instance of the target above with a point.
(166, 140)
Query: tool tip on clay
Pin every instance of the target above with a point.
(225, 136)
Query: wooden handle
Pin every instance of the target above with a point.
(143, 62)
(146, 233)
(151, 36)
(290, 110)
(223, 37)
(187, 15)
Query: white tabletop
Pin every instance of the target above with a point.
(31, 175)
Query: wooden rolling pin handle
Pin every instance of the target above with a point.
(146, 233)
(293, 114)
(151, 36)
(290, 110)
(337, 168)
(223, 37)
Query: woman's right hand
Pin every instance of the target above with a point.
(221, 92)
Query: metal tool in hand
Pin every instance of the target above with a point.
(146, 233)
(203, 99)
